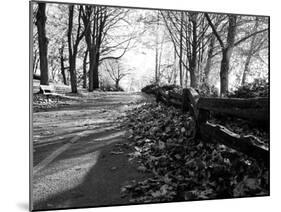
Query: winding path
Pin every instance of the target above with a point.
(80, 152)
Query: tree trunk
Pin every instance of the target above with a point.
(226, 55)
(85, 69)
(91, 71)
(72, 51)
(246, 70)
(157, 51)
(180, 59)
(193, 63)
(73, 77)
(117, 84)
(208, 66)
(43, 43)
(156, 65)
(250, 54)
(175, 66)
(62, 65)
(93, 39)
(35, 61)
(96, 71)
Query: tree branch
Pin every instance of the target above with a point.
(247, 37)
(214, 30)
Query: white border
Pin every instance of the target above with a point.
(14, 82)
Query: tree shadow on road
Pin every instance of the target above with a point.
(101, 185)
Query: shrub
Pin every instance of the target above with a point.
(258, 88)
(208, 90)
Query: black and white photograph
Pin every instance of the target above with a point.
(136, 105)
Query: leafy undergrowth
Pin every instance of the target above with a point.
(185, 168)
(258, 88)
(42, 102)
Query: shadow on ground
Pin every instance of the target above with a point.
(102, 184)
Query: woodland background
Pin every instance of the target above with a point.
(126, 49)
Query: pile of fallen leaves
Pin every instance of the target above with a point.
(42, 102)
(183, 167)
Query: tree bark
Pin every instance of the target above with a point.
(43, 43)
(73, 77)
(94, 27)
(91, 70)
(117, 84)
(180, 56)
(157, 51)
(226, 55)
(73, 47)
(193, 62)
(208, 66)
(85, 69)
(250, 54)
(62, 65)
(88, 37)
(72, 55)
(246, 69)
(96, 72)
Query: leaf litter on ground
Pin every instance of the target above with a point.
(43, 102)
(184, 167)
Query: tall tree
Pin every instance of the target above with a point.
(157, 50)
(194, 51)
(43, 43)
(98, 21)
(181, 47)
(73, 42)
(227, 48)
(187, 30)
(208, 65)
(94, 19)
(85, 58)
(257, 43)
(62, 59)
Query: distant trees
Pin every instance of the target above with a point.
(115, 71)
(43, 43)
(187, 48)
(188, 34)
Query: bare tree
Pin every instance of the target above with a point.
(187, 32)
(62, 59)
(73, 42)
(115, 70)
(257, 43)
(43, 43)
(85, 68)
(227, 47)
(98, 20)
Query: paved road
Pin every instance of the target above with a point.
(72, 164)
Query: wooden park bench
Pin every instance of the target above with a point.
(46, 89)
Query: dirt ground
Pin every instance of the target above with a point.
(80, 152)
